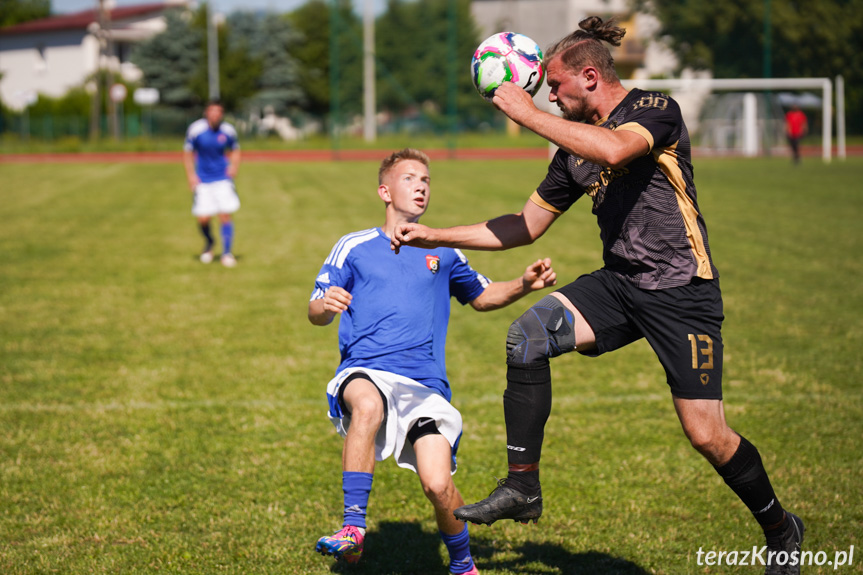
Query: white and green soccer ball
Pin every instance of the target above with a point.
(507, 57)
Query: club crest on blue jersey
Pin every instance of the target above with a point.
(433, 263)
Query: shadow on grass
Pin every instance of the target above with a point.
(404, 548)
(550, 558)
(216, 257)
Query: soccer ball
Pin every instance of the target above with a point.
(507, 57)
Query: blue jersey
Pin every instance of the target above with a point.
(210, 146)
(398, 317)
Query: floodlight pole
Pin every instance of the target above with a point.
(451, 81)
(212, 54)
(96, 102)
(113, 124)
(766, 63)
(369, 122)
(335, 97)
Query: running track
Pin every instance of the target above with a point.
(323, 155)
(277, 156)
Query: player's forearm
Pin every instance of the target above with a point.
(594, 144)
(318, 315)
(234, 162)
(501, 294)
(501, 233)
(189, 164)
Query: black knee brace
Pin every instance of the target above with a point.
(545, 330)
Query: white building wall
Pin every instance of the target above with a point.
(51, 63)
(44, 63)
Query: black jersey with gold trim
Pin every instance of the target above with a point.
(652, 231)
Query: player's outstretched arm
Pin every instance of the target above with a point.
(189, 165)
(335, 301)
(233, 163)
(538, 275)
(504, 232)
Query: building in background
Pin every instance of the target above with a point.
(52, 55)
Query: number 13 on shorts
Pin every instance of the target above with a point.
(702, 351)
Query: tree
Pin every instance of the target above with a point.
(18, 11)
(170, 60)
(418, 59)
(807, 39)
(313, 21)
(278, 85)
(239, 69)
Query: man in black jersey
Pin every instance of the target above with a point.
(629, 151)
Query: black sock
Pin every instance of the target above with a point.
(208, 236)
(526, 406)
(745, 475)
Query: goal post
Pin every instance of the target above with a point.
(710, 85)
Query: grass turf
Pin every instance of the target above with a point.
(158, 415)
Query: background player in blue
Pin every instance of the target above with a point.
(390, 395)
(629, 152)
(211, 156)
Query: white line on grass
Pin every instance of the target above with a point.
(253, 404)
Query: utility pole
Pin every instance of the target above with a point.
(369, 121)
(212, 53)
(767, 71)
(96, 101)
(113, 125)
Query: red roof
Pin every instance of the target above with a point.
(80, 20)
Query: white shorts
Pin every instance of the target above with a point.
(407, 402)
(215, 198)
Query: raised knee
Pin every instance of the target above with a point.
(545, 330)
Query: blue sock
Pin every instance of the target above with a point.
(458, 546)
(357, 487)
(227, 236)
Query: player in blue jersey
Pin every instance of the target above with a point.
(629, 153)
(211, 156)
(390, 395)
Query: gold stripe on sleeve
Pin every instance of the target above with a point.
(638, 129)
(667, 160)
(536, 199)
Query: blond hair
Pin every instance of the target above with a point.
(396, 157)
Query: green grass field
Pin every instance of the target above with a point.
(158, 415)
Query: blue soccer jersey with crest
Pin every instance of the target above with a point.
(398, 317)
(210, 146)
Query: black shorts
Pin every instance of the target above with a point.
(683, 325)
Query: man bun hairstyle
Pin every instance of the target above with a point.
(396, 157)
(585, 47)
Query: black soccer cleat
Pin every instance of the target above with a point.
(783, 551)
(503, 503)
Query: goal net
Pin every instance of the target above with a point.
(747, 116)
